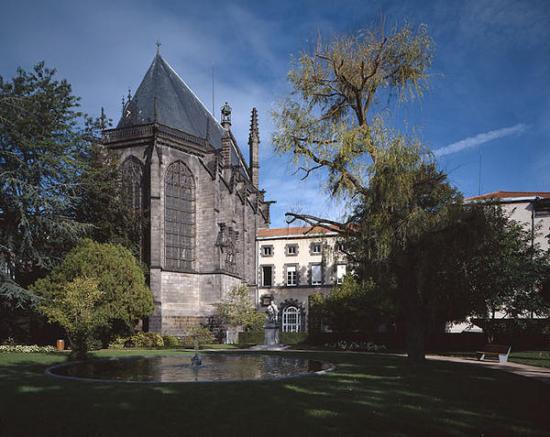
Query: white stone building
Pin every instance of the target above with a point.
(293, 263)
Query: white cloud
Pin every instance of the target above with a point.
(479, 139)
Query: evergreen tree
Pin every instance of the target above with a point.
(41, 136)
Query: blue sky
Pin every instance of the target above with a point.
(489, 91)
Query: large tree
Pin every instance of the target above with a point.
(41, 136)
(409, 231)
(332, 123)
(102, 203)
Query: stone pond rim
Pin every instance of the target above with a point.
(174, 369)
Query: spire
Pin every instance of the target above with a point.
(158, 44)
(254, 132)
(254, 148)
(226, 116)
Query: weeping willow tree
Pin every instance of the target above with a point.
(408, 231)
(333, 123)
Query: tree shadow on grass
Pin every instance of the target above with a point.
(365, 395)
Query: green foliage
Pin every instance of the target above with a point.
(351, 306)
(124, 299)
(171, 341)
(293, 338)
(199, 335)
(77, 308)
(250, 338)
(326, 121)
(431, 258)
(145, 340)
(40, 142)
(507, 271)
(26, 349)
(237, 309)
(101, 202)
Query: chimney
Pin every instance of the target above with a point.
(254, 146)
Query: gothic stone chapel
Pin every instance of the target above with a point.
(186, 173)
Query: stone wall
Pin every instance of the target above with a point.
(186, 299)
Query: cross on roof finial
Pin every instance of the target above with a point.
(158, 44)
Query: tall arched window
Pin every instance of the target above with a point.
(132, 184)
(292, 319)
(179, 217)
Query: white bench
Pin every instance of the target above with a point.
(495, 351)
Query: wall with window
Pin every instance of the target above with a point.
(291, 268)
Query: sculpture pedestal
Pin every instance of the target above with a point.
(271, 334)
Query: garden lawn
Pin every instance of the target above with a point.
(532, 358)
(367, 394)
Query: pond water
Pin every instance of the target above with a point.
(178, 368)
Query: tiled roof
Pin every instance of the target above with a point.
(288, 231)
(510, 194)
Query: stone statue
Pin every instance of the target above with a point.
(272, 312)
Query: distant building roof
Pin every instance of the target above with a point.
(163, 97)
(510, 195)
(293, 231)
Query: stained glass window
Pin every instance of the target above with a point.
(179, 217)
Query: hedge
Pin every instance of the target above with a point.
(257, 337)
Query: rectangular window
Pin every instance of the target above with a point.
(316, 248)
(267, 276)
(340, 247)
(340, 273)
(292, 249)
(316, 274)
(267, 250)
(291, 276)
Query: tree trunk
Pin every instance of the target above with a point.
(416, 352)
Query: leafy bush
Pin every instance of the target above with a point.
(238, 309)
(358, 346)
(293, 337)
(26, 348)
(171, 341)
(138, 340)
(146, 339)
(77, 308)
(118, 343)
(122, 295)
(251, 338)
(199, 334)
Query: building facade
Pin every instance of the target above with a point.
(184, 173)
(293, 263)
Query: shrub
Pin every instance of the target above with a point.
(249, 338)
(238, 309)
(293, 337)
(199, 334)
(145, 339)
(26, 348)
(171, 341)
(118, 343)
(123, 296)
(77, 308)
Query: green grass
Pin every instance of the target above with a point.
(532, 358)
(368, 394)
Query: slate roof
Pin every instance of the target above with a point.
(163, 97)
